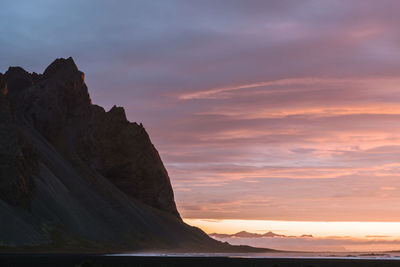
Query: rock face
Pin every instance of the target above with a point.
(129, 161)
(58, 106)
(17, 161)
(75, 176)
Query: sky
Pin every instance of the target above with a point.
(261, 110)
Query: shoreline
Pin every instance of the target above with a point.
(87, 260)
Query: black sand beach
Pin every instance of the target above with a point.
(61, 260)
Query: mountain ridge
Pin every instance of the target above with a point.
(245, 234)
(74, 177)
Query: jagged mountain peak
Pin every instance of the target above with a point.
(118, 113)
(61, 67)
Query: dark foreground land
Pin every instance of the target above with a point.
(99, 261)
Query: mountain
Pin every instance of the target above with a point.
(244, 234)
(74, 177)
(272, 234)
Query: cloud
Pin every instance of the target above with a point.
(260, 109)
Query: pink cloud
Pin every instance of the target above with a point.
(274, 109)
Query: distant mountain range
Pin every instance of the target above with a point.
(244, 234)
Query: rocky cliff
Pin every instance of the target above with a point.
(58, 106)
(75, 177)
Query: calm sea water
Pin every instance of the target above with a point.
(305, 255)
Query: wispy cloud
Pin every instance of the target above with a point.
(210, 93)
(260, 109)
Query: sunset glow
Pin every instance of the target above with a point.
(268, 115)
(367, 230)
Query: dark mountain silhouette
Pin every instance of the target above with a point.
(271, 234)
(75, 177)
(244, 234)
